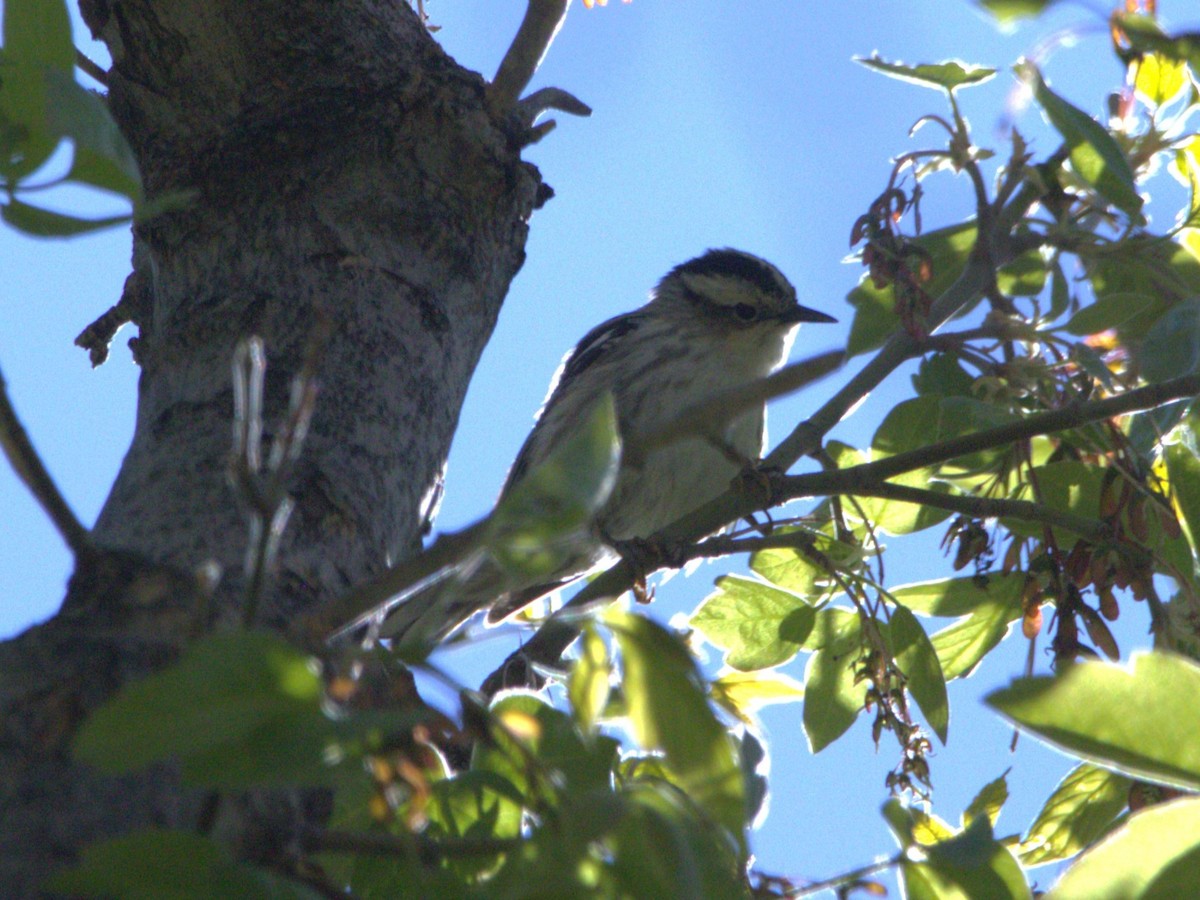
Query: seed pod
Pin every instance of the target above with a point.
(1031, 622)
(1099, 633)
(1108, 605)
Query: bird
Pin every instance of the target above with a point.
(720, 321)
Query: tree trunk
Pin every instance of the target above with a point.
(342, 169)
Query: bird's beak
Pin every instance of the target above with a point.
(800, 313)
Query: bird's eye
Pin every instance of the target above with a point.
(745, 312)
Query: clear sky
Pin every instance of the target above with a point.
(716, 124)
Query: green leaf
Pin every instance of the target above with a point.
(960, 596)
(529, 725)
(832, 701)
(102, 156)
(1025, 276)
(39, 31)
(1082, 807)
(961, 646)
(44, 223)
(588, 686)
(1142, 722)
(1010, 11)
(1145, 36)
(917, 659)
(946, 75)
(545, 517)
(874, 315)
(757, 625)
(941, 374)
(1183, 471)
(1110, 311)
(475, 804)
(1068, 486)
(239, 709)
(663, 849)
(1093, 151)
(1172, 345)
(988, 802)
(155, 863)
(791, 569)
(1155, 855)
(669, 711)
(969, 865)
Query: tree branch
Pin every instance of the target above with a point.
(542, 20)
(30, 469)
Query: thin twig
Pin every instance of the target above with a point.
(32, 471)
(90, 67)
(815, 887)
(542, 20)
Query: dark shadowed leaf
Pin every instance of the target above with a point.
(1093, 151)
(668, 710)
(157, 863)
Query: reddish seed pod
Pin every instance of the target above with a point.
(1099, 633)
(1108, 605)
(1031, 622)
(1138, 525)
(1078, 563)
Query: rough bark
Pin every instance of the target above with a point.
(342, 166)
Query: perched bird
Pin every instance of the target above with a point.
(717, 322)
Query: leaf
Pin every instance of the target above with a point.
(1093, 151)
(1172, 345)
(102, 156)
(742, 694)
(44, 223)
(545, 518)
(988, 802)
(1159, 79)
(239, 709)
(1110, 311)
(1009, 11)
(961, 646)
(156, 863)
(757, 625)
(969, 865)
(791, 569)
(832, 701)
(959, 596)
(1183, 470)
(588, 686)
(1075, 815)
(664, 850)
(1155, 854)
(917, 659)
(39, 31)
(1142, 722)
(1025, 276)
(668, 710)
(530, 726)
(947, 75)
(943, 375)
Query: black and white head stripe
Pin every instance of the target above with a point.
(745, 267)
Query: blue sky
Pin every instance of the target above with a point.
(715, 124)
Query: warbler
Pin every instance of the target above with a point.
(720, 321)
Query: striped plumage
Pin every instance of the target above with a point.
(719, 321)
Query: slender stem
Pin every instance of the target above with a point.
(815, 887)
(32, 471)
